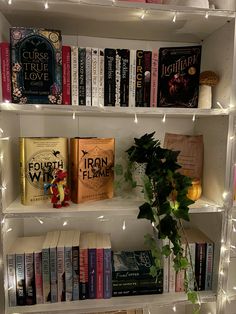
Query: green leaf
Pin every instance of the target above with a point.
(145, 211)
(147, 188)
(192, 296)
(166, 250)
(153, 271)
(118, 169)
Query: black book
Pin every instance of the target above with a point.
(147, 68)
(124, 77)
(139, 78)
(178, 76)
(82, 76)
(109, 76)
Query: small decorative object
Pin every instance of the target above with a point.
(207, 80)
(195, 191)
(59, 190)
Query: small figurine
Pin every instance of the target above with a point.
(59, 190)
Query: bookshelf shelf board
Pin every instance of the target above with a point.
(87, 306)
(122, 20)
(110, 111)
(108, 208)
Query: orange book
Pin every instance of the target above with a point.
(92, 162)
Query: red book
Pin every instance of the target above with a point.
(154, 78)
(66, 77)
(5, 71)
(83, 271)
(99, 267)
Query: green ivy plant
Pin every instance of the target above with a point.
(166, 203)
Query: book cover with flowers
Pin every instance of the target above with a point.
(36, 65)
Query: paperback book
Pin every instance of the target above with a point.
(36, 65)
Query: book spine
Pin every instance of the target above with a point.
(172, 274)
(129, 292)
(109, 76)
(132, 78)
(99, 273)
(29, 279)
(92, 273)
(180, 275)
(74, 76)
(147, 68)
(20, 280)
(66, 76)
(139, 79)
(154, 79)
(82, 76)
(190, 275)
(74, 160)
(75, 263)
(60, 274)
(68, 273)
(38, 277)
(88, 77)
(107, 271)
(5, 71)
(200, 265)
(124, 78)
(46, 275)
(53, 273)
(83, 281)
(101, 78)
(166, 261)
(118, 77)
(11, 276)
(209, 265)
(95, 77)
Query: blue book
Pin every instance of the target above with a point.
(92, 265)
(75, 265)
(36, 65)
(107, 267)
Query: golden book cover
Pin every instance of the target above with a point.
(39, 158)
(92, 163)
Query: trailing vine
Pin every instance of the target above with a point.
(166, 204)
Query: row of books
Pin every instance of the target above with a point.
(36, 68)
(61, 266)
(199, 277)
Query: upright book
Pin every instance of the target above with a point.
(36, 65)
(92, 162)
(178, 78)
(39, 157)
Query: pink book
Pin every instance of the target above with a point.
(99, 266)
(155, 1)
(5, 71)
(154, 78)
(66, 76)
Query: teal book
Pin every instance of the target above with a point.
(36, 65)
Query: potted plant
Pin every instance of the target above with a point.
(166, 202)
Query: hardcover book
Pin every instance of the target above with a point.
(36, 65)
(82, 76)
(5, 72)
(39, 157)
(109, 76)
(178, 79)
(92, 162)
(66, 69)
(139, 78)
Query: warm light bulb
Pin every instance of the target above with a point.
(174, 17)
(194, 118)
(124, 225)
(135, 118)
(207, 15)
(164, 118)
(9, 2)
(174, 308)
(65, 223)
(73, 117)
(46, 5)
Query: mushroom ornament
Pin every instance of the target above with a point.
(206, 81)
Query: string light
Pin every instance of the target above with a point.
(135, 118)
(9, 2)
(46, 5)
(40, 220)
(194, 117)
(4, 138)
(113, 2)
(73, 116)
(174, 308)
(3, 188)
(65, 223)
(1, 130)
(219, 104)
(207, 15)
(174, 17)
(231, 137)
(164, 118)
(3, 221)
(225, 194)
(37, 106)
(222, 273)
(100, 217)
(142, 16)
(124, 225)
(9, 230)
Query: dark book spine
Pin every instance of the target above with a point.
(30, 279)
(209, 265)
(5, 71)
(99, 273)
(124, 78)
(92, 273)
(139, 78)
(200, 265)
(66, 77)
(75, 266)
(147, 68)
(82, 76)
(20, 280)
(109, 77)
(83, 283)
(107, 274)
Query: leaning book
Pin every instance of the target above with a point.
(178, 76)
(91, 165)
(39, 158)
(36, 65)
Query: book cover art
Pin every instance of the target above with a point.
(36, 65)
(92, 162)
(39, 157)
(178, 79)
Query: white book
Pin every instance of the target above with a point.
(46, 268)
(53, 265)
(61, 266)
(95, 77)
(132, 78)
(172, 274)
(68, 264)
(74, 76)
(88, 76)
(101, 78)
